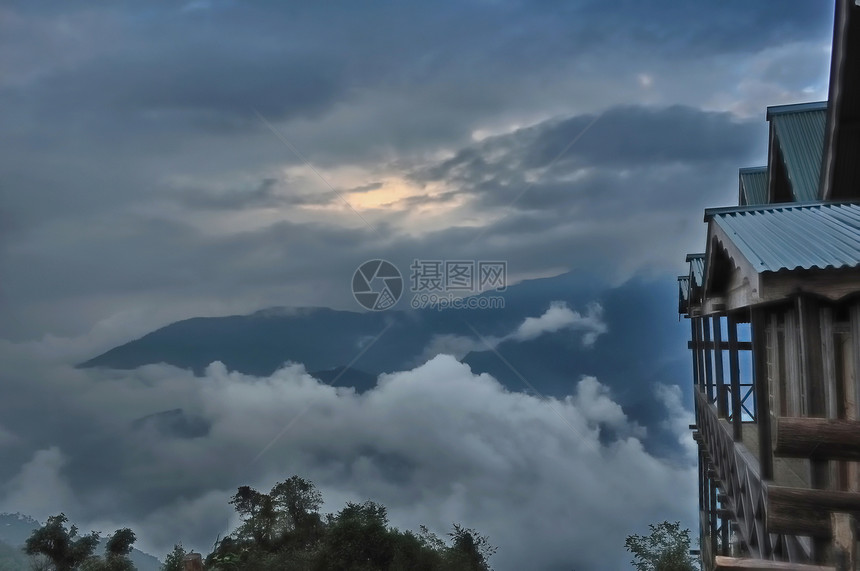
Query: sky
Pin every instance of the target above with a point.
(164, 160)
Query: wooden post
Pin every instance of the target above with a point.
(723, 401)
(811, 358)
(762, 393)
(702, 469)
(844, 542)
(735, 376)
(694, 349)
(709, 370)
(812, 370)
(851, 378)
(713, 514)
(720, 379)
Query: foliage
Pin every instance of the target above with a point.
(62, 547)
(281, 529)
(470, 550)
(666, 548)
(57, 548)
(175, 560)
(284, 530)
(117, 550)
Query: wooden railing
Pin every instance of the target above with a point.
(744, 494)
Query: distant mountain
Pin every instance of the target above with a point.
(645, 344)
(324, 339)
(16, 528)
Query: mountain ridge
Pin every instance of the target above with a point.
(325, 341)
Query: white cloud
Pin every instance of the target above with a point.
(559, 316)
(457, 345)
(435, 444)
(595, 403)
(39, 489)
(679, 418)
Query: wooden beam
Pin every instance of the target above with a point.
(820, 438)
(737, 564)
(714, 522)
(803, 511)
(758, 323)
(812, 371)
(708, 354)
(719, 376)
(735, 376)
(844, 542)
(693, 345)
(723, 401)
(722, 345)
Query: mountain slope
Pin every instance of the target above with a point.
(644, 344)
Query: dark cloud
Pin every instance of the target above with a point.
(269, 193)
(139, 187)
(628, 137)
(208, 86)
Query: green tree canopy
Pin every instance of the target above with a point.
(666, 548)
(63, 547)
(283, 529)
(175, 560)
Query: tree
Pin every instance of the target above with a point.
(666, 548)
(357, 537)
(470, 550)
(284, 530)
(117, 550)
(256, 510)
(297, 502)
(287, 517)
(62, 547)
(175, 560)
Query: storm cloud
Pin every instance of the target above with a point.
(170, 160)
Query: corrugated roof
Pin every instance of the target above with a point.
(753, 183)
(800, 136)
(794, 236)
(697, 268)
(684, 287)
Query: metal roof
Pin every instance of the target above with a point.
(774, 110)
(792, 236)
(753, 183)
(697, 269)
(684, 287)
(799, 133)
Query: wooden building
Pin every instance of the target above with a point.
(774, 310)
